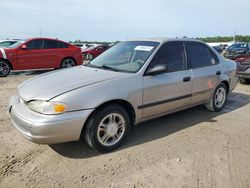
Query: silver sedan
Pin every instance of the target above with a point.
(132, 82)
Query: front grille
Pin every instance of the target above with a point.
(242, 67)
(246, 62)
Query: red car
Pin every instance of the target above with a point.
(94, 51)
(39, 53)
(243, 67)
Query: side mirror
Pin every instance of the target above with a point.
(24, 47)
(158, 69)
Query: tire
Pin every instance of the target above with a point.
(218, 99)
(90, 56)
(67, 63)
(107, 128)
(242, 80)
(4, 68)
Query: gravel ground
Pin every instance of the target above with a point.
(192, 148)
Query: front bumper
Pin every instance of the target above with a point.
(46, 129)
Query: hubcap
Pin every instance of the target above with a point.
(111, 129)
(68, 63)
(220, 97)
(4, 68)
(90, 56)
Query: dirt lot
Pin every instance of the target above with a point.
(193, 148)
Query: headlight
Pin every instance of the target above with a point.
(45, 107)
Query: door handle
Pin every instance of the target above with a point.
(218, 73)
(186, 79)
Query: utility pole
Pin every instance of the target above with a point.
(234, 36)
(40, 31)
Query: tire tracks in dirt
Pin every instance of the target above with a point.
(16, 165)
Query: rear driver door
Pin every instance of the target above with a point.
(206, 71)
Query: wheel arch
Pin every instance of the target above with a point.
(123, 103)
(68, 57)
(227, 85)
(11, 66)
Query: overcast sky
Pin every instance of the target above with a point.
(110, 20)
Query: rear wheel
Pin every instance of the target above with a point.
(4, 68)
(67, 63)
(107, 128)
(217, 101)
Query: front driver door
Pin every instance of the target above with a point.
(168, 91)
(31, 57)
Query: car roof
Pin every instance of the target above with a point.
(163, 40)
(45, 38)
(7, 40)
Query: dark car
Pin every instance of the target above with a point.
(243, 67)
(218, 49)
(94, 51)
(237, 49)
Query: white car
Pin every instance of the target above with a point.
(7, 43)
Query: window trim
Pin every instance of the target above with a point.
(209, 51)
(160, 51)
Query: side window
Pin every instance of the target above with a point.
(35, 44)
(62, 45)
(49, 44)
(173, 56)
(200, 55)
(214, 58)
(5, 44)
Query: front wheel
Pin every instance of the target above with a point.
(67, 63)
(107, 128)
(90, 56)
(217, 101)
(4, 68)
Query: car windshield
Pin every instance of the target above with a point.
(6, 43)
(127, 56)
(18, 43)
(239, 45)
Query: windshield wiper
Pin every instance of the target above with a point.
(109, 67)
(91, 65)
(105, 67)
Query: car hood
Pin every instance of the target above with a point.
(86, 50)
(50, 85)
